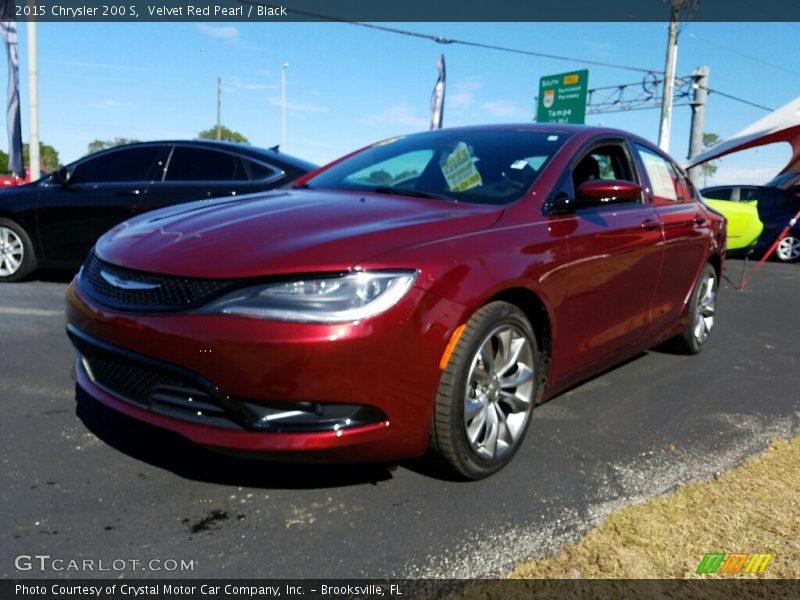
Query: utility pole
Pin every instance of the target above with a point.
(219, 108)
(284, 66)
(698, 124)
(33, 105)
(669, 78)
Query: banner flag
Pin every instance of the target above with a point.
(8, 29)
(437, 99)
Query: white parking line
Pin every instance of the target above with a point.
(29, 312)
(67, 392)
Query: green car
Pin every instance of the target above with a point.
(744, 226)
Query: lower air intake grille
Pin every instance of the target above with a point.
(147, 386)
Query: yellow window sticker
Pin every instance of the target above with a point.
(459, 171)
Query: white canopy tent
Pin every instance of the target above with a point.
(781, 125)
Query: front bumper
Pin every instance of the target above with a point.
(354, 392)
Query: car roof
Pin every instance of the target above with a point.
(580, 132)
(266, 154)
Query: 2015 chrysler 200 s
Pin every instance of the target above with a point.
(420, 295)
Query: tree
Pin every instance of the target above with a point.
(709, 168)
(97, 145)
(226, 135)
(48, 159)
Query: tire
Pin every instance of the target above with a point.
(17, 258)
(788, 249)
(482, 413)
(702, 312)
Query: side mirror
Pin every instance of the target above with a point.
(62, 175)
(607, 191)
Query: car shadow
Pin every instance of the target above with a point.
(167, 450)
(55, 275)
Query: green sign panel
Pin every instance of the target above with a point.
(562, 97)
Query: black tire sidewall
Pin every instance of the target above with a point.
(690, 342)
(487, 319)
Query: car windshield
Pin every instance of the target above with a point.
(478, 166)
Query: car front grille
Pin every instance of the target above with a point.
(159, 388)
(143, 291)
(174, 391)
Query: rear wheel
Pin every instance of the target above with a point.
(17, 259)
(486, 393)
(702, 312)
(788, 249)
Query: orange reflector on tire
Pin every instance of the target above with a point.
(450, 345)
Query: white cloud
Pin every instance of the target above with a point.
(599, 49)
(259, 86)
(307, 107)
(463, 95)
(231, 83)
(505, 109)
(222, 32)
(92, 65)
(110, 105)
(397, 115)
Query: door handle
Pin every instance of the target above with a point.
(698, 220)
(129, 193)
(649, 225)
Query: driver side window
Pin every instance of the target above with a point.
(129, 164)
(603, 162)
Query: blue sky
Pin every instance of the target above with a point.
(348, 86)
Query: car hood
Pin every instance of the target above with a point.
(284, 232)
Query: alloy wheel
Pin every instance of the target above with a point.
(788, 249)
(706, 307)
(499, 392)
(12, 252)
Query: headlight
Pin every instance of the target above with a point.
(350, 297)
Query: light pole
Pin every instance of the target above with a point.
(669, 79)
(284, 66)
(33, 105)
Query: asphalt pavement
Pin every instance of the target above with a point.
(82, 483)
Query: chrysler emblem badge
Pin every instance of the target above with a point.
(127, 284)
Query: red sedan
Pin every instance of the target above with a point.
(420, 295)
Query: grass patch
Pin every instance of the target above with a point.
(753, 508)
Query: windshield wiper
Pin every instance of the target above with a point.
(413, 193)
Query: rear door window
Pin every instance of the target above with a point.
(201, 164)
(718, 194)
(666, 184)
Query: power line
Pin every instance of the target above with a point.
(737, 99)
(446, 40)
(440, 39)
(743, 55)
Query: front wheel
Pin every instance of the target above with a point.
(702, 312)
(486, 393)
(17, 259)
(788, 249)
